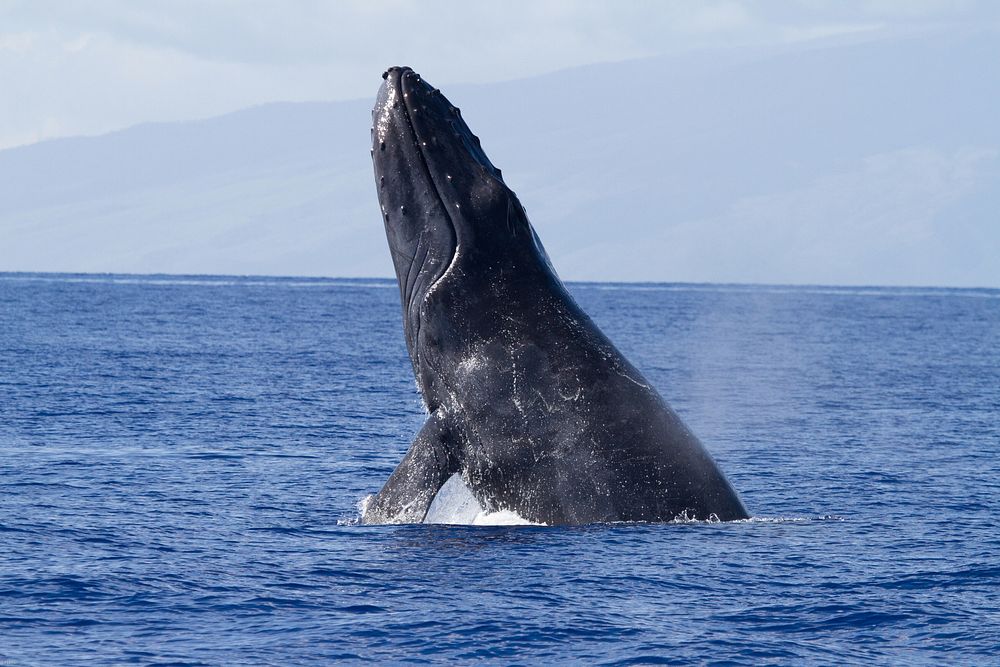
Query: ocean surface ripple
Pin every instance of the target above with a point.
(181, 461)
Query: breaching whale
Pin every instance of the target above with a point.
(528, 400)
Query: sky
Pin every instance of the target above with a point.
(847, 142)
(73, 67)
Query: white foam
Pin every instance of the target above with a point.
(454, 504)
(789, 519)
(363, 504)
(502, 518)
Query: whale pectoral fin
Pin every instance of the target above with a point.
(407, 495)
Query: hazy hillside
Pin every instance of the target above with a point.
(857, 163)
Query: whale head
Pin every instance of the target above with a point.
(445, 206)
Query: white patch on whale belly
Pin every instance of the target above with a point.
(454, 504)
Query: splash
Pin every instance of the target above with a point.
(790, 519)
(454, 504)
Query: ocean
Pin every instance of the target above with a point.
(182, 460)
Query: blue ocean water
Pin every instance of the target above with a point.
(181, 461)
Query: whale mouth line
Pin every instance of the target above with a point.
(406, 113)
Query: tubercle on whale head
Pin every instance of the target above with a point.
(424, 151)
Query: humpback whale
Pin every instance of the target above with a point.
(527, 399)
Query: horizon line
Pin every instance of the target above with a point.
(225, 279)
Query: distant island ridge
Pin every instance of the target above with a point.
(851, 163)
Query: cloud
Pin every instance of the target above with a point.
(91, 83)
(16, 43)
(71, 66)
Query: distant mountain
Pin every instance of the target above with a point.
(850, 163)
